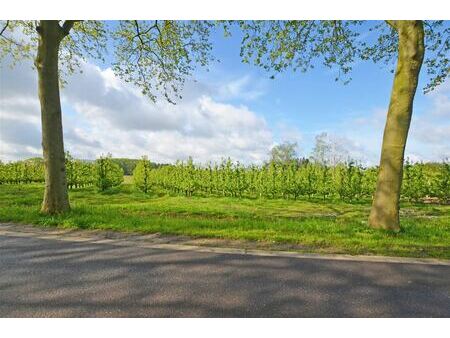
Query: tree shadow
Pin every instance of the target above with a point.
(51, 278)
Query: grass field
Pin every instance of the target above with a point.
(312, 226)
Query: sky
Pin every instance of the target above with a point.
(233, 110)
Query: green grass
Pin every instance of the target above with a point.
(315, 226)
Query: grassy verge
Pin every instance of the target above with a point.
(316, 226)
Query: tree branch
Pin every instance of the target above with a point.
(67, 26)
(392, 23)
(4, 28)
(8, 38)
(138, 32)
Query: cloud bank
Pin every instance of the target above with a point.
(102, 114)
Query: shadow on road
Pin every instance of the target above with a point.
(40, 277)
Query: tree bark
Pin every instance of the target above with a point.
(385, 207)
(56, 199)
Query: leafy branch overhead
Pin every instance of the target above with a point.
(157, 56)
(83, 40)
(301, 45)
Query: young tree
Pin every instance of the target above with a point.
(278, 45)
(154, 55)
(329, 150)
(141, 175)
(442, 182)
(108, 174)
(284, 153)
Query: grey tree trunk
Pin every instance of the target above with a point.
(385, 207)
(56, 199)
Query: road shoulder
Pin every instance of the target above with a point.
(181, 243)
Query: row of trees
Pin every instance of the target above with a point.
(28, 171)
(104, 173)
(344, 181)
(280, 178)
(421, 180)
(79, 173)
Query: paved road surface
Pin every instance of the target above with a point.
(55, 278)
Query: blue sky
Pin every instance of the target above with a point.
(313, 102)
(233, 110)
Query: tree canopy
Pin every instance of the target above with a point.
(303, 44)
(284, 153)
(154, 55)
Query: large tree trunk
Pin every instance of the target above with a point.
(56, 199)
(385, 208)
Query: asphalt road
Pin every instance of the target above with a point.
(55, 278)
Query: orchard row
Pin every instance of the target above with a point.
(292, 180)
(103, 173)
(347, 182)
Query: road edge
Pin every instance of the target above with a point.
(142, 241)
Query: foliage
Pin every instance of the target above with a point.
(442, 182)
(20, 172)
(155, 55)
(141, 175)
(383, 48)
(278, 45)
(19, 40)
(312, 226)
(158, 55)
(347, 181)
(284, 152)
(127, 164)
(107, 173)
(353, 182)
(79, 173)
(329, 150)
(415, 183)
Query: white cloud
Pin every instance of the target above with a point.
(245, 87)
(429, 135)
(441, 100)
(289, 132)
(103, 114)
(361, 135)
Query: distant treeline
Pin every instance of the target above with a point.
(128, 164)
(290, 180)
